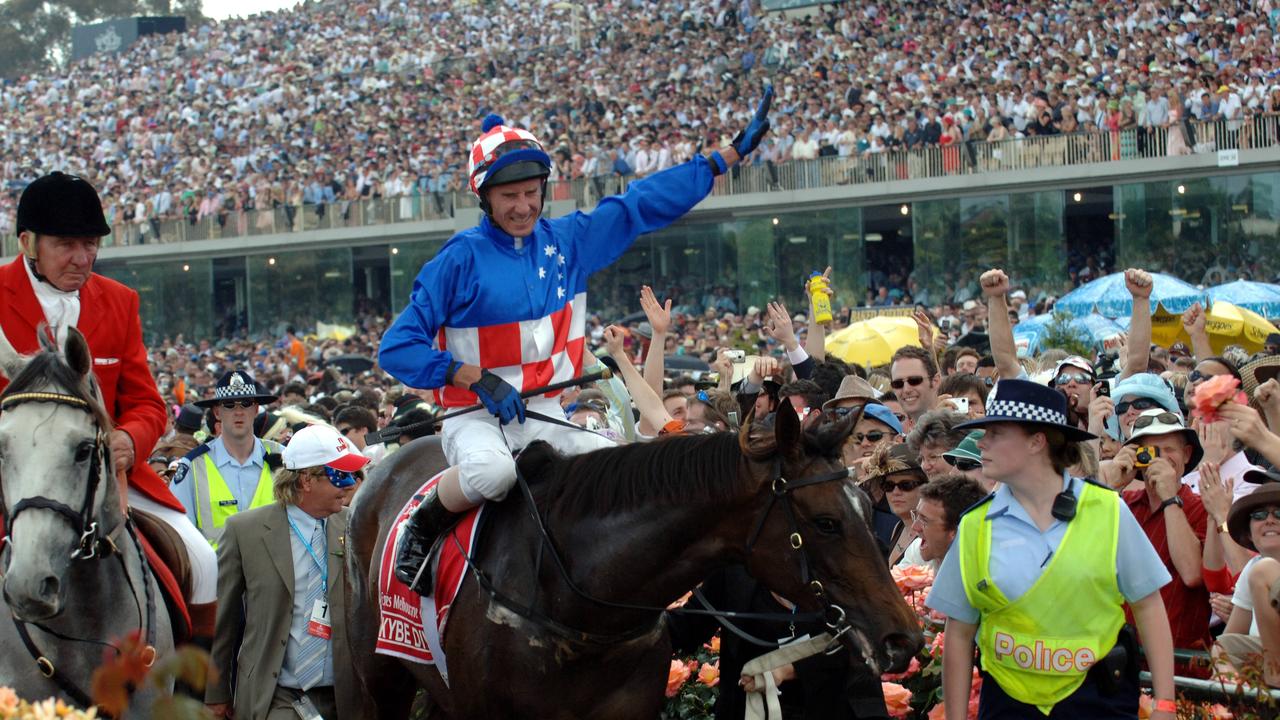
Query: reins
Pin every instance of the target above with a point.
(92, 544)
(832, 615)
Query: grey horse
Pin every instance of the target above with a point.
(74, 592)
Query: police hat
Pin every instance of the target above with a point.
(63, 205)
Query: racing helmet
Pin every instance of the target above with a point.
(505, 154)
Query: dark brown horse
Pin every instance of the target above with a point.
(640, 525)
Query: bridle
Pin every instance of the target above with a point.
(92, 544)
(832, 615)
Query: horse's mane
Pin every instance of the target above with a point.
(47, 370)
(668, 472)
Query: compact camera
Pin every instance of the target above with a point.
(1145, 455)
(736, 355)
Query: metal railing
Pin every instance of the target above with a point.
(963, 158)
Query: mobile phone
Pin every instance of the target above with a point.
(736, 356)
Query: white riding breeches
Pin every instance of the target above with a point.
(481, 448)
(204, 561)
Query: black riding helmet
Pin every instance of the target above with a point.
(63, 205)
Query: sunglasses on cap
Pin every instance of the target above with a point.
(233, 404)
(962, 464)
(1068, 378)
(340, 479)
(903, 485)
(1165, 418)
(1260, 515)
(874, 436)
(1139, 404)
(913, 381)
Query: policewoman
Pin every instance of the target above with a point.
(1038, 577)
(228, 474)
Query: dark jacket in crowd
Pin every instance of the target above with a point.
(826, 687)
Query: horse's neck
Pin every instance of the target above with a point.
(633, 558)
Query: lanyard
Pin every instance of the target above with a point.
(324, 569)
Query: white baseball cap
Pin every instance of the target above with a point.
(317, 445)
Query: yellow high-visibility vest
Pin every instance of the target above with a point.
(1039, 647)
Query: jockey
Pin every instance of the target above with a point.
(501, 310)
(60, 224)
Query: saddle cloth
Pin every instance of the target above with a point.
(401, 630)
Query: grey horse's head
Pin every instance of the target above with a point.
(52, 450)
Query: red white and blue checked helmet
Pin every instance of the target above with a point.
(505, 154)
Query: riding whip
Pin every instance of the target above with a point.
(392, 432)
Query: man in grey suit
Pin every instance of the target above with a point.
(280, 645)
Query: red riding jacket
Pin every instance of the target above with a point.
(110, 322)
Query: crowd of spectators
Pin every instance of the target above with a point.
(332, 102)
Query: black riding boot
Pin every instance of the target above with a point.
(428, 521)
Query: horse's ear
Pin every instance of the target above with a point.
(744, 433)
(11, 362)
(786, 428)
(76, 350)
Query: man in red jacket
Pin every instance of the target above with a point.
(60, 224)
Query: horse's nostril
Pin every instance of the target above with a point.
(901, 647)
(49, 588)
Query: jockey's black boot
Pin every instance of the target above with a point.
(428, 521)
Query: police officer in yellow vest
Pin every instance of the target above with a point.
(229, 473)
(1039, 574)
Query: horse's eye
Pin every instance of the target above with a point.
(83, 451)
(827, 526)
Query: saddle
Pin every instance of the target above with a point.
(167, 556)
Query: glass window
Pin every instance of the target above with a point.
(300, 288)
(174, 297)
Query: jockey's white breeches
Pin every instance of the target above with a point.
(481, 448)
(204, 561)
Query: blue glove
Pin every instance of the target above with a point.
(750, 138)
(498, 397)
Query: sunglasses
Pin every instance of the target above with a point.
(1260, 515)
(962, 464)
(1196, 376)
(844, 412)
(1068, 378)
(1139, 404)
(233, 404)
(904, 486)
(340, 479)
(913, 381)
(1164, 418)
(874, 436)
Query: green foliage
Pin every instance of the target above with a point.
(1060, 334)
(35, 35)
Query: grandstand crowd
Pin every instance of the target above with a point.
(334, 102)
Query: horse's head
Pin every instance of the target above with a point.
(812, 541)
(57, 490)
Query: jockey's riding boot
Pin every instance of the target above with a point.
(428, 521)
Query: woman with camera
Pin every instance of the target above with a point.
(1042, 537)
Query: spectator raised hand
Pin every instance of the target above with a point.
(1268, 397)
(779, 327)
(1193, 323)
(658, 314)
(995, 288)
(1138, 348)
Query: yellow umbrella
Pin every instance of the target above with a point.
(1229, 324)
(872, 342)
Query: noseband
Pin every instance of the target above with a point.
(91, 543)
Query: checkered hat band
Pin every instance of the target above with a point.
(235, 391)
(1024, 411)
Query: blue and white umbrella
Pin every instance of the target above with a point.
(1262, 298)
(1108, 297)
(1093, 328)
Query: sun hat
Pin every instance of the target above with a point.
(1254, 373)
(967, 449)
(1159, 426)
(1147, 385)
(317, 445)
(851, 387)
(1027, 403)
(236, 385)
(1238, 517)
(893, 459)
